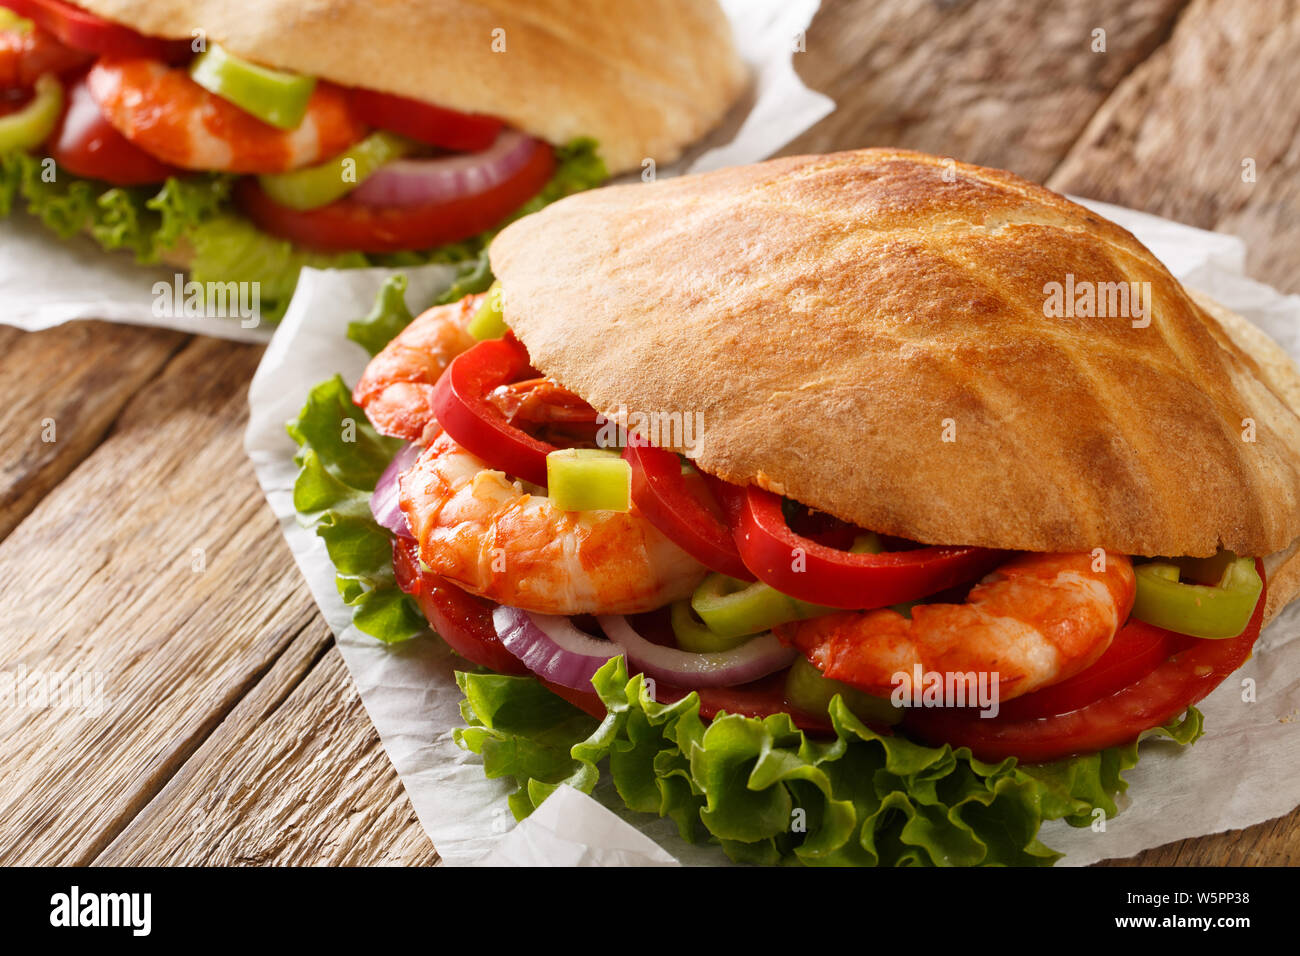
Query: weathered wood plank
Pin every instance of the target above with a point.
(1184, 135)
(295, 775)
(60, 390)
(151, 568)
(998, 82)
(1273, 843)
(156, 568)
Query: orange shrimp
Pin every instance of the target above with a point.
(26, 55)
(1035, 621)
(164, 112)
(396, 389)
(484, 532)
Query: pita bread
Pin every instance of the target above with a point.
(644, 79)
(1282, 568)
(865, 332)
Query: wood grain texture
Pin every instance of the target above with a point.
(59, 387)
(232, 733)
(157, 568)
(1000, 83)
(295, 775)
(1272, 843)
(1175, 135)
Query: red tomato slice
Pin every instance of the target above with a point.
(82, 30)
(13, 101)
(348, 225)
(1137, 650)
(86, 144)
(27, 56)
(426, 123)
(458, 617)
(1178, 683)
(588, 702)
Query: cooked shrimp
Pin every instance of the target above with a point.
(25, 56)
(479, 529)
(164, 112)
(1037, 620)
(396, 389)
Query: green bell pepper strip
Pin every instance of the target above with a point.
(32, 125)
(1205, 570)
(1208, 611)
(588, 479)
(489, 321)
(320, 185)
(732, 608)
(273, 96)
(811, 691)
(697, 638)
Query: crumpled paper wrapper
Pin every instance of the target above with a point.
(48, 281)
(1243, 771)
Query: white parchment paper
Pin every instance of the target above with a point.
(1245, 770)
(46, 281)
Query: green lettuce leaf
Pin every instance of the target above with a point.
(341, 458)
(146, 221)
(388, 316)
(193, 215)
(229, 248)
(767, 793)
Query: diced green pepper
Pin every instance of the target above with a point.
(588, 479)
(695, 637)
(809, 690)
(273, 96)
(333, 179)
(1199, 610)
(32, 125)
(489, 322)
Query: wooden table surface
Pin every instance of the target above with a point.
(137, 545)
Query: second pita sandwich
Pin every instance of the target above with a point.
(244, 140)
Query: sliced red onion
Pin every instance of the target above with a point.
(756, 658)
(552, 647)
(410, 182)
(384, 503)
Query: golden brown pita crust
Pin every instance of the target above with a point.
(828, 315)
(643, 78)
(1279, 371)
(1282, 571)
(1272, 365)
